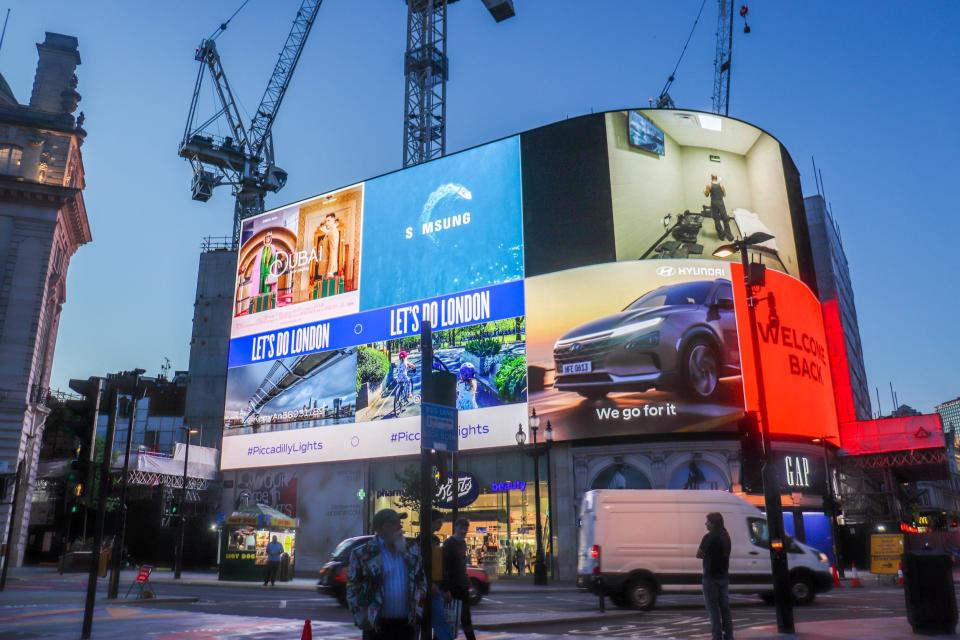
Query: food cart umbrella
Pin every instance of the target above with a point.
(263, 516)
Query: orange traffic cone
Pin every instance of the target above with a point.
(836, 577)
(900, 575)
(307, 631)
(855, 582)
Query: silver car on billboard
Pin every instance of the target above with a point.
(680, 337)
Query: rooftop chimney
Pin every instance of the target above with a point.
(55, 85)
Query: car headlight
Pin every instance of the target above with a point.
(824, 558)
(634, 327)
(645, 341)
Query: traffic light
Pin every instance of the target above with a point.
(751, 449)
(79, 473)
(442, 389)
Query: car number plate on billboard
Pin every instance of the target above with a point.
(577, 367)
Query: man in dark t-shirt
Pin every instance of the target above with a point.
(455, 573)
(715, 552)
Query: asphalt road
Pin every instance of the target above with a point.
(41, 604)
(685, 616)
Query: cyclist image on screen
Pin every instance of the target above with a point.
(467, 387)
(404, 367)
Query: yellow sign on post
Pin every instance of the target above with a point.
(885, 552)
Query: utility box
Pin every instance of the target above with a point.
(928, 588)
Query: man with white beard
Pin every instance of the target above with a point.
(386, 587)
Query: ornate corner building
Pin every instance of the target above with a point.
(43, 221)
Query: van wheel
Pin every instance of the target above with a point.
(801, 588)
(641, 594)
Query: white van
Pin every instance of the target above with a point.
(641, 543)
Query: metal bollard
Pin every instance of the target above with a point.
(599, 588)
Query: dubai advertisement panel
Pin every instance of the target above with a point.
(331, 292)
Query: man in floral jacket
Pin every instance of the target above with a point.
(386, 587)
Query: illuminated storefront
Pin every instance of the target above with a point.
(498, 499)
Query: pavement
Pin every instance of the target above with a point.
(895, 628)
(39, 603)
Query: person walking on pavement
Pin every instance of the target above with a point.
(386, 587)
(715, 552)
(715, 191)
(519, 560)
(274, 553)
(439, 594)
(455, 578)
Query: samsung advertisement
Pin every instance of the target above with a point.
(568, 269)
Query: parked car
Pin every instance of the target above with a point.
(637, 544)
(679, 337)
(333, 574)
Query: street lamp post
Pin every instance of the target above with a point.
(178, 560)
(830, 504)
(139, 386)
(548, 438)
(771, 494)
(539, 566)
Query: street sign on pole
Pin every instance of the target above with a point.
(439, 425)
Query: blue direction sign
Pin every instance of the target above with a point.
(439, 427)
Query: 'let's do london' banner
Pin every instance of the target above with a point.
(497, 302)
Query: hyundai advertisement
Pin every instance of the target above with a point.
(648, 347)
(566, 270)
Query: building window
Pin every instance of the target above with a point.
(10, 158)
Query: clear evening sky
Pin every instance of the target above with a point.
(868, 87)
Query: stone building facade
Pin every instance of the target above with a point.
(43, 221)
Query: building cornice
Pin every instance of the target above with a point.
(34, 118)
(67, 199)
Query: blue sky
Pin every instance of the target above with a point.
(869, 88)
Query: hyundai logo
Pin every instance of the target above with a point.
(576, 346)
(666, 272)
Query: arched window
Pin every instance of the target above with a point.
(10, 157)
(621, 476)
(697, 474)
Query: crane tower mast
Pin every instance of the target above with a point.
(426, 68)
(722, 59)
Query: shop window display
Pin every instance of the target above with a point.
(502, 518)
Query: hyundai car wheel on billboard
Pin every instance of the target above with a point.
(567, 270)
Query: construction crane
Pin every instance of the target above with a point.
(664, 101)
(244, 159)
(724, 54)
(426, 69)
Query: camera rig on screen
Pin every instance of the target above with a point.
(684, 230)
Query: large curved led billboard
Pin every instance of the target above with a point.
(567, 269)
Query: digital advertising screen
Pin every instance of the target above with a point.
(684, 183)
(637, 347)
(568, 270)
(794, 355)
